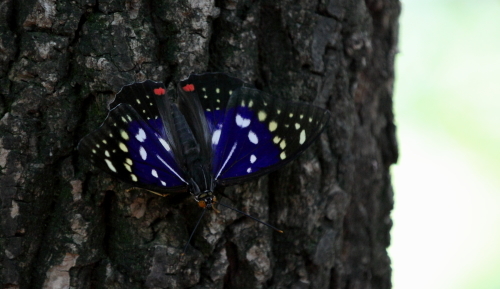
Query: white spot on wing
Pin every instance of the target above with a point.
(170, 168)
(242, 122)
(297, 125)
(216, 137)
(228, 157)
(253, 158)
(143, 153)
(164, 144)
(141, 135)
(106, 153)
(253, 137)
(154, 173)
(249, 170)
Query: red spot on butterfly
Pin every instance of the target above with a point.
(188, 87)
(159, 91)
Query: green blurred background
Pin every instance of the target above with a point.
(446, 230)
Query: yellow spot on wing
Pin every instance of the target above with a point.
(123, 147)
(124, 134)
(110, 165)
(262, 115)
(283, 155)
(273, 126)
(302, 137)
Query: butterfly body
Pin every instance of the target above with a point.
(219, 133)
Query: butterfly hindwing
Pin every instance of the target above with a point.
(261, 133)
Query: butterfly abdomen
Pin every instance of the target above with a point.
(189, 145)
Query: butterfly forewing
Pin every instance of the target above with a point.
(213, 90)
(143, 98)
(202, 100)
(261, 133)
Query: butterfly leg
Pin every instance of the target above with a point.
(136, 188)
(161, 195)
(213, 205)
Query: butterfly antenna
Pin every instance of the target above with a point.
(194, 230)
(253, 218)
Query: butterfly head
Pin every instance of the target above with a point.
(206, 200)
(201, 190)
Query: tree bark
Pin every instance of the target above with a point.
(66, 224)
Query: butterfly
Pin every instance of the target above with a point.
(219, 132)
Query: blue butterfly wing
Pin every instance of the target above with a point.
(137, 147)
(246, 132)
(261, 133)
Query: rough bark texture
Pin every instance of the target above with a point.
(65, 224)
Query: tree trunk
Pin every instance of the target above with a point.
(66, 224)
